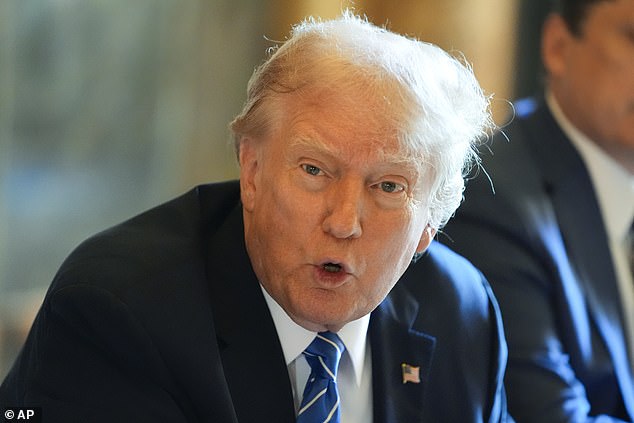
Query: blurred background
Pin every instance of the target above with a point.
(109, 107)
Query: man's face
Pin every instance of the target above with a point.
(332, 217)
(593, 78)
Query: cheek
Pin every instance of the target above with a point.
(399, 238)
(285, 215)
(609, 72)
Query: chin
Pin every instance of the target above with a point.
(321, 318)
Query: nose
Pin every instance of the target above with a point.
(345, 208)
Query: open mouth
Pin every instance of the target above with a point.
(332, 267)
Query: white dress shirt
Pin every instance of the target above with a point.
(614, 187)
(354, 377)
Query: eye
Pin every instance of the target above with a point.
(311, 170)
(391, 187)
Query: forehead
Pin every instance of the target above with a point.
(342, 127)
(356, 112)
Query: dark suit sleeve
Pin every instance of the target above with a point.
(501, 237)
(88, 359)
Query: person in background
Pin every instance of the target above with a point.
(291, 295)
(553, 232)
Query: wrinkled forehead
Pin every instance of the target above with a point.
(355, 126)
(376, 116)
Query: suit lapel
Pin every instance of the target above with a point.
(390, 326)
(576, 206)
(251, 354)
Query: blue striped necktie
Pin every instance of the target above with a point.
(320, 403)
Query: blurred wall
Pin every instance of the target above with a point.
(108, 107)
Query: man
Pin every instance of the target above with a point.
(276, 299)
(553, 237)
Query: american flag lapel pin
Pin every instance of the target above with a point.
(410, 373)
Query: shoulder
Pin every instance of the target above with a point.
(125, 302)
(446, 264)
(446, 280)
(456, 304)
(457, 307)
(162, 243)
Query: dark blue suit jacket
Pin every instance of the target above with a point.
(161, 319)
(541, 242)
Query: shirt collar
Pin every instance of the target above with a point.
(294, 338)
(613, 184)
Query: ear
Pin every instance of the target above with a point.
(556, 41)
(248, 157)
(426, 238)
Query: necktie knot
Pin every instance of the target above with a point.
(324, 353)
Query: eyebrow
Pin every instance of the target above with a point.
(311, 143)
